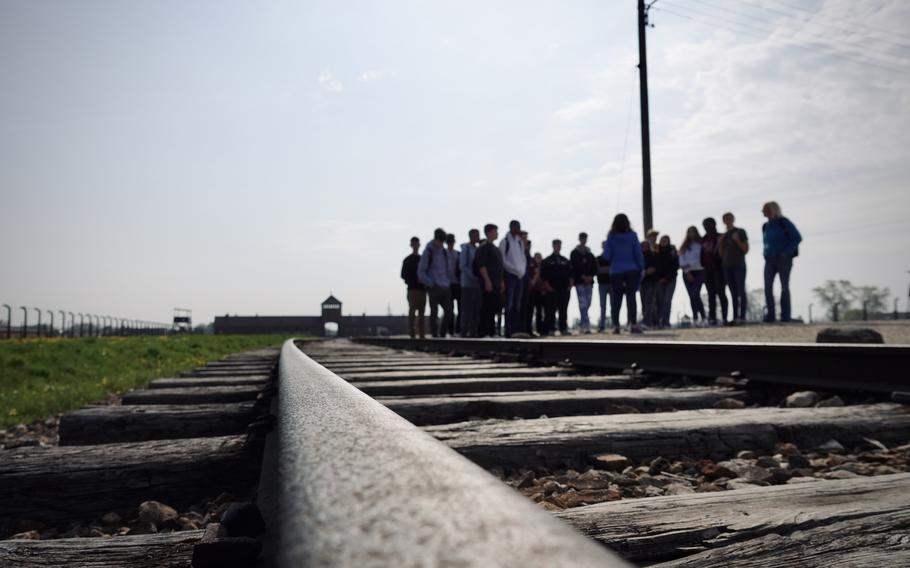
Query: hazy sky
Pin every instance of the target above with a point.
(252, 157)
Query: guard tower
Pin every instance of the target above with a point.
(331, 314)
(183, 320)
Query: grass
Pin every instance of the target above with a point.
(43, 377)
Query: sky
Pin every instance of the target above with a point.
(252, 158)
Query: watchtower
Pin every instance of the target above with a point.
(331, 314)
(183, 319)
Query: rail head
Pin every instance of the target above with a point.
(873, 368)
(357, 485)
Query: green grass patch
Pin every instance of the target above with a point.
(43, 377)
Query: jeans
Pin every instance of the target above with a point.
(455, 323)
(584, 293)
(538, 311)
(513, 304)
(440, 297)
(469, 310)
(693, 287)
(490, 306)
(665, 292)
(715, 285)
(417, 304)
(603, 290)
(624, 284)
(558, 301)
(736, 280)
(779, 265)
(648, 302)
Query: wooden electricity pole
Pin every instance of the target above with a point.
(645, 130)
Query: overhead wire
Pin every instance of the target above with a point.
(688, 13)
(852, 24)
(791, 18)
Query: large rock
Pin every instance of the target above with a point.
(802, 399)
(157, 513)
(849, 335)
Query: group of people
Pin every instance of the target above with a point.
(486, 281)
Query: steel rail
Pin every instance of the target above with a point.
(354, 484)
(873, 368)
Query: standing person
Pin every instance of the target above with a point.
(490, 269)
(433, 272)
(649, 313)
(714, 272)
(781, 244)
(454, 328)
(584, 269)
(417, 294)
(538, 295)
(526, 285)
(603, 287)
(648, 285)
(734, 245)
(624, 253)
(667, 269)
(515, 264)
(556, 271)
(690, 253)
(469, 310)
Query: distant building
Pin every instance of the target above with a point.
(330, 323)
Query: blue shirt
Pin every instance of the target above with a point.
(780, 237)
(623, 252)
(433, 269)
(466, 264)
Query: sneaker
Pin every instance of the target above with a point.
(636, 329)
(616, 331)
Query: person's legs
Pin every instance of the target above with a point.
(433, 294)
(563, 296)
(469, 311)
(513, 304)
(603, 289)
(743, 296)
(730, 279)
(649, 303)
(712, 289)
(698, 306)
(630, 283)
(617, 290)
(421, 302)
(538, 302)
(550, 308)
(412, 318)
(770, 273)
(665, 301)
(722, 292)
(455, 323)
(784, 266)
(445, 301)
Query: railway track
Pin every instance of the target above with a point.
(385, 455)
(669, 454)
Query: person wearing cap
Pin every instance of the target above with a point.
(433, 272)
(515, 264)
(417, 293)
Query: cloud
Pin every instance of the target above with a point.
(372, 75)
(329, 83)
(582, 109)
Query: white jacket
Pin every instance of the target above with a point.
(691, 259)
(513, 255)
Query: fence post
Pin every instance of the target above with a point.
(81, 325)
(24, 321)
(38, 329)
(50, 332)
(9, 321)
(72, 325)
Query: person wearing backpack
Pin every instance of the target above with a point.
(433, 271)
(469, 310)
(781, 245)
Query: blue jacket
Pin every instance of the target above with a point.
(433, 269)
(780, 237)
(623, 252)
(466, 264)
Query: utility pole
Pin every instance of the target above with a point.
(645, 129)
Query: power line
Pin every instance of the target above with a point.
(803, 20)
(750, 31)
(811, 13)
(823, 40)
